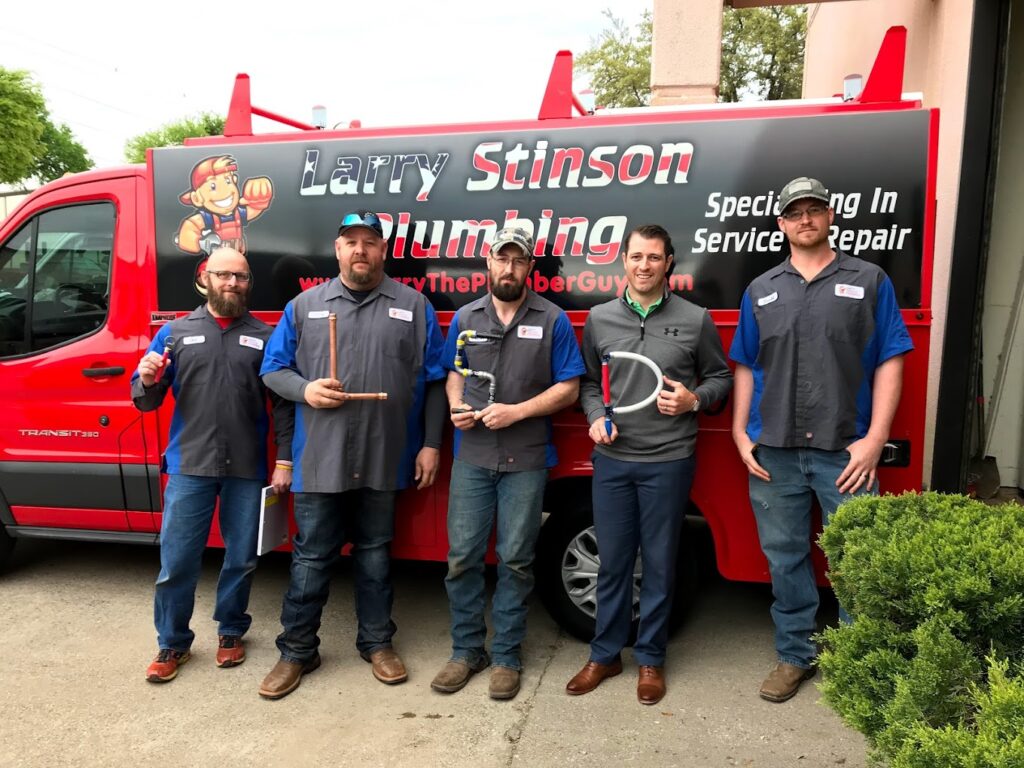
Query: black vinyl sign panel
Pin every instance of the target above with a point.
(713, 184)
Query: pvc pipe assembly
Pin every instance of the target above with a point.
(606, 388)
(462, 364)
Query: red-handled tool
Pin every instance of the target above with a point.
(168, 346)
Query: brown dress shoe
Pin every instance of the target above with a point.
(164, 667)
(230, 651)
(504, 683)
(285, 677)
(387, 666)
(650, 686)
(783, 682)
(588, 678)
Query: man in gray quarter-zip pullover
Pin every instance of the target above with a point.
(643, 469)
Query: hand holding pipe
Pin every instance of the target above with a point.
(606, 389)
(461, 364)
(332, 325)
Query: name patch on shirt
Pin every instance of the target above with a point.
(849, 291)
(531, 332)
(318, 314)
(767, 299)
(193, 340)
(250, 341)
(400, 314)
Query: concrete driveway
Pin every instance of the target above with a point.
(77, 635)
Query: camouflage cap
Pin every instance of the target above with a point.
(516, 236)
(801, 188)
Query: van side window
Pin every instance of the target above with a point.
(55, 278)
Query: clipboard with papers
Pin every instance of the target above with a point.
(273, 521)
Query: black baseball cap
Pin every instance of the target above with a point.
(361, 218)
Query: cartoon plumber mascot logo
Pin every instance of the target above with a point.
(222, 210)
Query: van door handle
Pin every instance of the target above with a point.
(96, 373)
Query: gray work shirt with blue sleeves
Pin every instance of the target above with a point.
(219, 425)
(535, 351)
(388, 342)
(813, 348)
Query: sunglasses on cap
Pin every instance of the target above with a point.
(362, 219)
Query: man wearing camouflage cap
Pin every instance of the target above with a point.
(503, 451)
(819, 367)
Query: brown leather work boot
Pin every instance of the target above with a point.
(588, 678)
(230, 651)
(387, 666)
(504, 683)
(164, 667)
(455, 674)
(286, 676)
(784, 681)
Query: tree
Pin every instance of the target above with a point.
(23, 117)
(762, 57)
(619, 64)
(763, 53)
(173, 134)
(32, 145)
(61, 153)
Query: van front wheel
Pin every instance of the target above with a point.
(567, 564)
(6, 548)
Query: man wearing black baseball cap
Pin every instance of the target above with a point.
(352, 456)
(819, 367)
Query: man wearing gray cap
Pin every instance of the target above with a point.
(527, 350)
(819, 367)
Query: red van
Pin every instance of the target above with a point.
(92, 264)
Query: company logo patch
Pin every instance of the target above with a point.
(193, 340)
(767, 299)
(400, 314)
(849, 291)
(250, 341)
(531, 332)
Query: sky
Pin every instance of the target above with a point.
(113, 70)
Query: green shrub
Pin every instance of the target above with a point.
(936, 586)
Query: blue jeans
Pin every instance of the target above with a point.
(481, 500)
(782, 509)
(325, 522)
(187, 515)
(637, 504)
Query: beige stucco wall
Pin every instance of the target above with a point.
(843, 38)
(693, 26)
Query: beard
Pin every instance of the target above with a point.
(366, 280)
(510, 291)
(226, 304)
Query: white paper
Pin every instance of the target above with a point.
(273, 521)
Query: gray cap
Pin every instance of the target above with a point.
(801, 188)
(516, 236)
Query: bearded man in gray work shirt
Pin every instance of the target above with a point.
(353, 456)
(502, 455)
(216, 451)
(643, 470)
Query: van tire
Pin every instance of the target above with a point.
(567, 563)
(6, 548)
